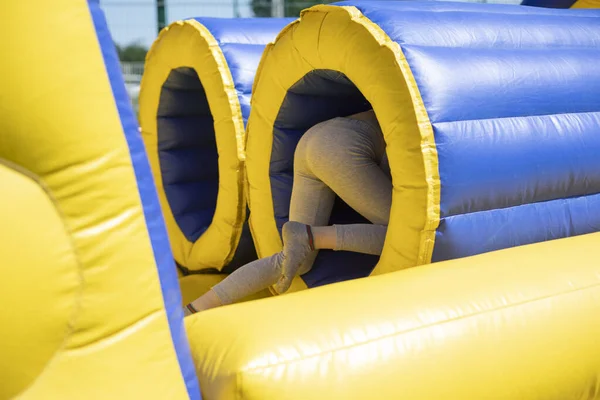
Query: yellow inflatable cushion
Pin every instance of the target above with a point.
(39, 306)
(519, 324)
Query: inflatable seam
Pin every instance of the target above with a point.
(517, 117)
(148, 203)
(551, 12)
(576, 196)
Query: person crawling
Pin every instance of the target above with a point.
(343, 156)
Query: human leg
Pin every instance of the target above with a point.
(311, 202)
(344, 156)
(340, 155)
(244, 281)
(310, 205)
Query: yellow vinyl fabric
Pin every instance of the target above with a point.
(85, 311)
(37, 254)
(342, 39)
(189, 44)
(195, 285)
(512, 324)
(586, 4)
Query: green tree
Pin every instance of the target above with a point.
(262, 8)
(132, 52)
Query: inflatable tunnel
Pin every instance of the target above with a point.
(92, 308)
(490, 114)
(194, 103)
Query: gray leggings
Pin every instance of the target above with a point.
(343, 156)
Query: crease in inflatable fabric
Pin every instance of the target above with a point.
(238, 122)
(428, 147)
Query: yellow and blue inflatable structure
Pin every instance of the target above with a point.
(489, 114)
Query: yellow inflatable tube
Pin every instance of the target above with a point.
(586, 4)
(194, 103)
(185, 60)
(513, 324)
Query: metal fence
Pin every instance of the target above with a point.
(132, 71)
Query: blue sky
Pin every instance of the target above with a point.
(135, 20)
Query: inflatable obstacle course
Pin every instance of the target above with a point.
(98, 284)
(472, 172)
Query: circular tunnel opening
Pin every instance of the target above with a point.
(318, 96)
(187, 150)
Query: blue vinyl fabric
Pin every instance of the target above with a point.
(242, 41)
(513, 95)
(154, 221)
(186, 138)
(187, 151)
